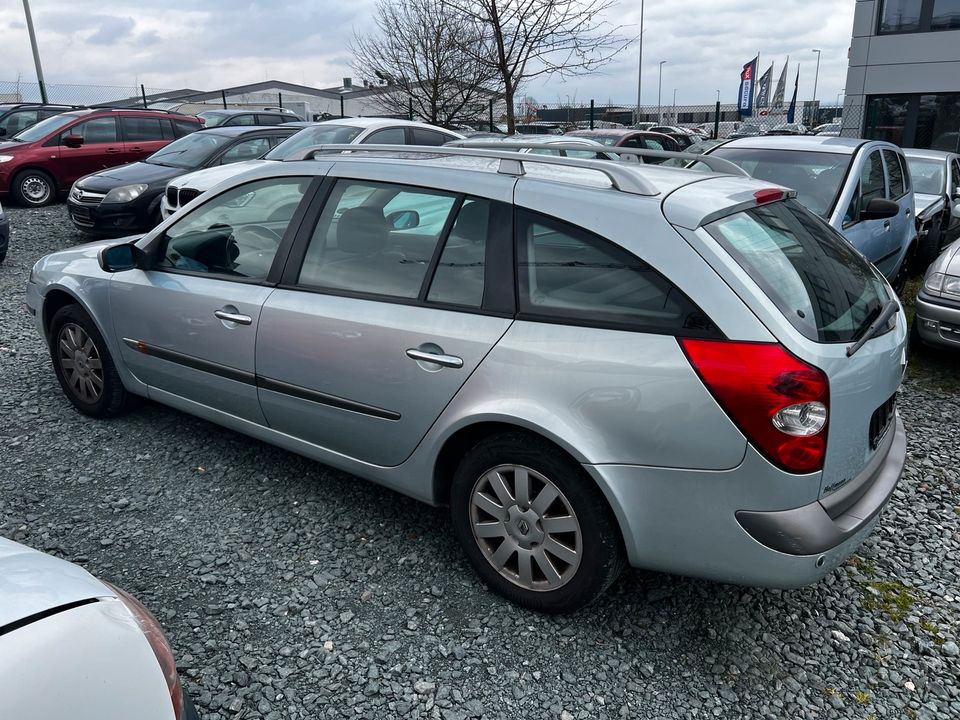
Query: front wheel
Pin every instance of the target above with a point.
(34, 188)
(83, 364)
(534, 525)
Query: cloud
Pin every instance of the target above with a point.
(222, 43)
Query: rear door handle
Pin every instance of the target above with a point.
(111, 151)
(450, 361)
(137, 149)
(233, 317)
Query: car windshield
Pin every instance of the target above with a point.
(816, 176)
(308, 137)
(190, 151)
(825, 288)
(43, 128)
(927, 176)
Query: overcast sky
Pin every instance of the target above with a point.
(221, 43)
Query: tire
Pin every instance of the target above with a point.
(83, 365)
(556, 570)
(34, 188)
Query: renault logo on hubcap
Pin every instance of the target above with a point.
(523, 527)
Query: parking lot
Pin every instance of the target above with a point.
(294, 591)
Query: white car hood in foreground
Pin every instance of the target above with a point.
(32, 582)
(203, 180)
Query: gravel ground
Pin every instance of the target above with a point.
(294, 591)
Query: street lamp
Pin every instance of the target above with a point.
(640, 63)
(837, 111)
(660, 95)
(816, 77)
(674, 109)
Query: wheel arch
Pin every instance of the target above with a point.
(59, 297)
(36, 168)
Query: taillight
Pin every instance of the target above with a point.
(158, 642)
(779, 402)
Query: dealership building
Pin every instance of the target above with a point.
(903, 84)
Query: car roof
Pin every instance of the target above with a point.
(608, 132)
(813, 143)
(241, 111)
(374, 122)
(238, 130)
(928, 154)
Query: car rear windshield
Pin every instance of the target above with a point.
(44, 128)
(190, 151)
(816, 176)
(824, 287)
(308, 137)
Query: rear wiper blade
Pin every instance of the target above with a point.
(889, 310)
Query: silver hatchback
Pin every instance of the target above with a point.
(593, 363)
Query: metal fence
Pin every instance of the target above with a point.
(716, 119)
(17, 91)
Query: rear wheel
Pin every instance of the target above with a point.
(534, 525)
(83, 364)
(34, 188)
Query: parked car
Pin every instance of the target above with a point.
(527, 144)
(124, 200)
(787, 129)
(831, 129)
(937, 318)
(861, 187)
(489, 330)
(630, 138)
(16, 117)
(72, 646)
(4, 235)
(382, 131)
(538, 128)
(644, 125)
(231, 117)
(746, 130)
(47, 158)
(683, 137)
(936, 187)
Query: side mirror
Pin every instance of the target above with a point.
(73, 141)
(118, 258)
(404, 219)
(880, 209)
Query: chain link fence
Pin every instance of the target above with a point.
(17, 91)
(716, 120)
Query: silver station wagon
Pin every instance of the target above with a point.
(593, 363)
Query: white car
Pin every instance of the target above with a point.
(74, 647)
(380, 131)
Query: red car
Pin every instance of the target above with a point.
(44, 160)
(629, 138)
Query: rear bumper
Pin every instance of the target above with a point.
(937, 322)
(693, 522)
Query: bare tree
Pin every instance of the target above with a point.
(425, 54)
(525, 39)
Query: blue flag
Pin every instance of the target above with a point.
(747, 79)
(792, 112)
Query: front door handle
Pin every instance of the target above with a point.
(450, 361)
(886, 224)
(234, 317)
(111, 151)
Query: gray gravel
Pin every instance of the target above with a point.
(294, 591)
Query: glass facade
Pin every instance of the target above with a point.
(910, 16)
(917, 121)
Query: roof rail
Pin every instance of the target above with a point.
(718, 165)
(14, 106)
(511, 162)
(134, 107)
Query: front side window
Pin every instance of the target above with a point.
(376, 238)
(824, 287)
(246, 150)
(97, 130)
(565, 272)
(872, 183)
(946, 15)
(898, 186)
(141, 129)
(241, 120)
(237, 233)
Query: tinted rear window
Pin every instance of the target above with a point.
(824, 287)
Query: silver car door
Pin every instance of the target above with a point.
(187, 326)
(391, 308)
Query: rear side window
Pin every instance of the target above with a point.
(826, 289)
(141, 129)
(97, 130)
(566, 273)
(422, 136)
(895, 173)
(241, 120)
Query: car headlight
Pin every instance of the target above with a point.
(5, 158)
(942, 284)
(124, 194)
(951, 285)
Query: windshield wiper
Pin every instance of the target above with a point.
(889, 310)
